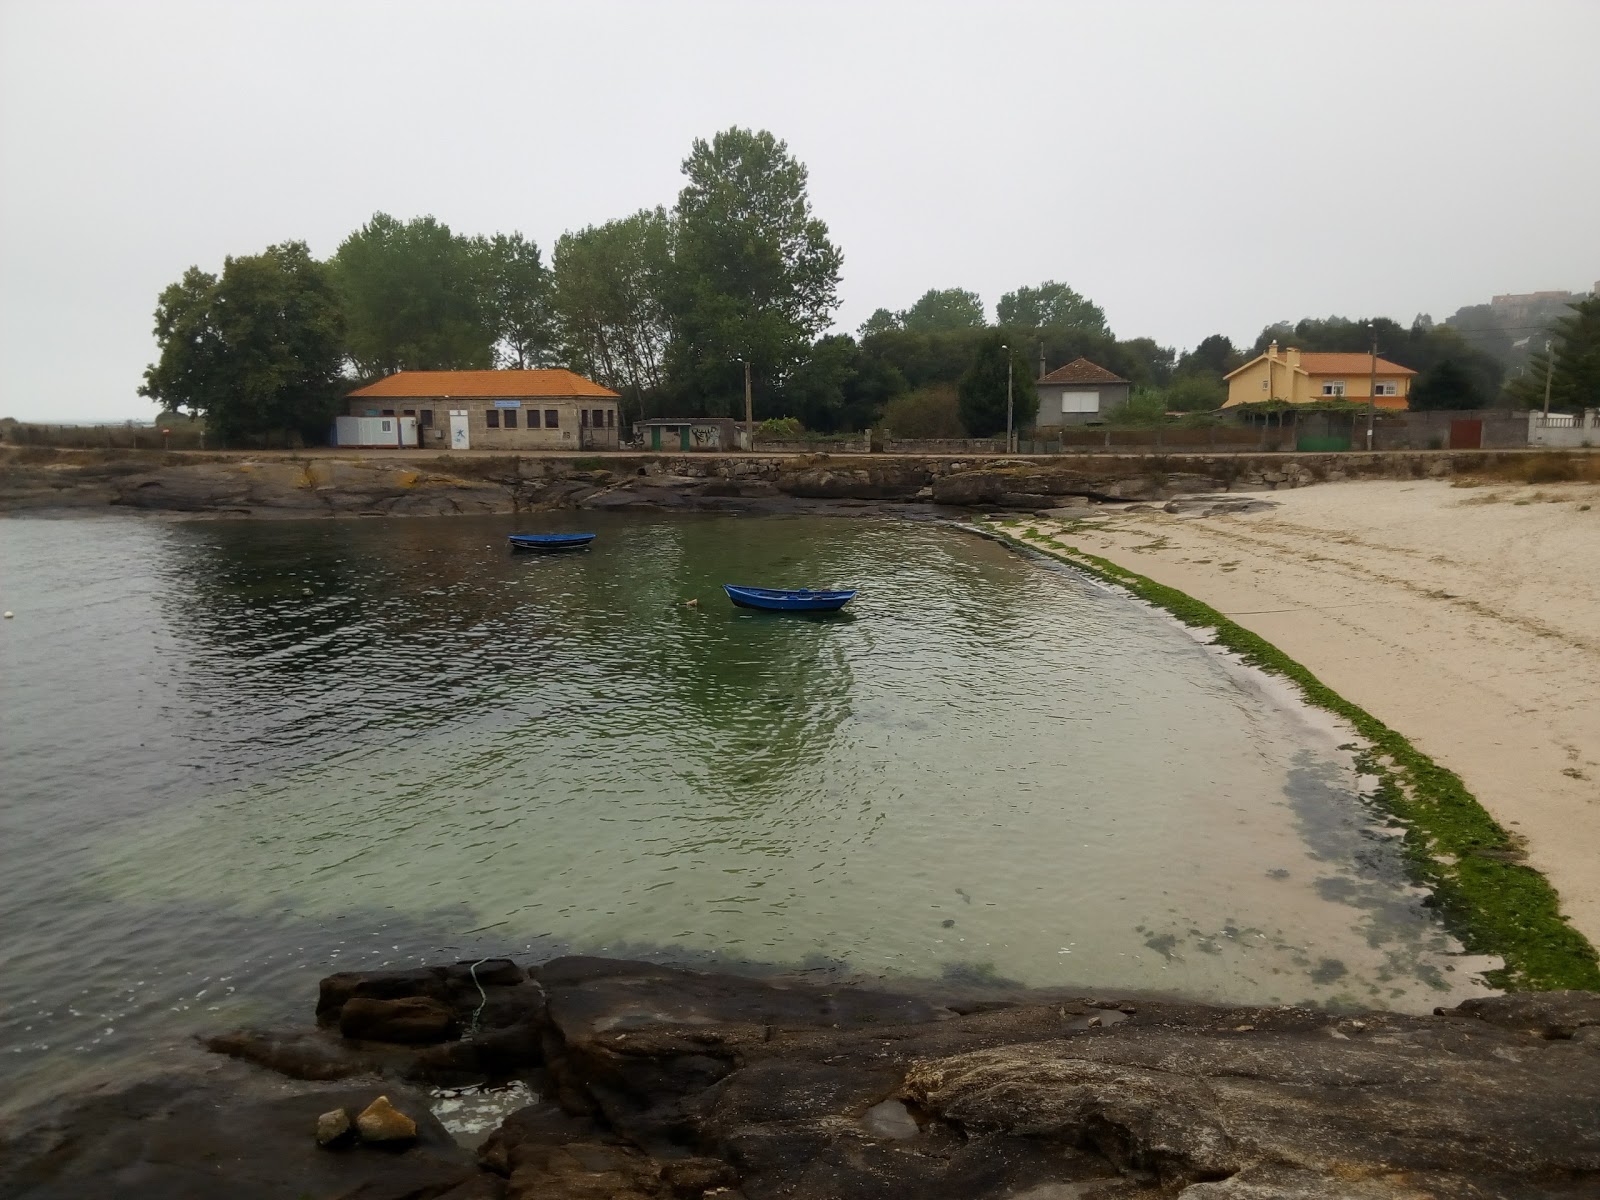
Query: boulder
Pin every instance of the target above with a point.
(410, 1020)
(334, 1128)
(382, 1123)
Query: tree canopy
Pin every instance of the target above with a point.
(516, 291)
(1573, 363)
(755, 277)
(1052, 305)
(413, 298)
(942, 309)
(982, 390)
(255, 350)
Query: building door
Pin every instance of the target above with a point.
(655, 437)
(460, 438)
(683, 437)
(1466, 435)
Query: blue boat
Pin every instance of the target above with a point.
(549, 541)
(787, 599)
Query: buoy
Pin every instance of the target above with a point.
(8, 614)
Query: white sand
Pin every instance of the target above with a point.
(1466, 618)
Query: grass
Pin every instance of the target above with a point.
(1551, 467)
(1492, 902)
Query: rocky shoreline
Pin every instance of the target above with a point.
(652, 1082)
(326, 484)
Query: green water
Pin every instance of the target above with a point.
(241, 754)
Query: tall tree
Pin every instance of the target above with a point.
(1214, 356)
(611, 295)
(414, 298)
(1573, 363)
(1051, 305)
(982, 390)
(943, 309)
(255, 350)
(756, 277)
(881, 321)
(1446, 385)
(516, 291)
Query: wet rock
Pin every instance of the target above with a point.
(334, 1128)
(1547, 1014)
(382, 1122)
(232, 1132)
(889, 1119)
(410, 1020)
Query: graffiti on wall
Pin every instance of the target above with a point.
(705, 437)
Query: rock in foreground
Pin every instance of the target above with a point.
(659, 1083)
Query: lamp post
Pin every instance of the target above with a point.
(1372, 385)
(1549, 373)
(1010, 437)
(749, 423)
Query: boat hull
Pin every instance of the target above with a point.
(787, 600)
(549, 541)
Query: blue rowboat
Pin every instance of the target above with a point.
(787, 599)
(549, 541)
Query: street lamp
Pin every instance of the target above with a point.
(1010, 441)
(1372, 385)
(749, 423)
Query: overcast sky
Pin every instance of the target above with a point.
(1193, 167)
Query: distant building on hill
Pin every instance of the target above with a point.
(1305, 377)
(1080, 393)
(493, 410)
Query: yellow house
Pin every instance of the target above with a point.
(1303, 378)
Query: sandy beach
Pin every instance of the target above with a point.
(1466, 617)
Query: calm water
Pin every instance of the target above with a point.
(240, 754)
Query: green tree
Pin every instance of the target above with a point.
(1446, 385)
(1572, 363)
(982, 390)
(881, 321)
(1215, 356)
(1052, 305)
(414, 298)
(256, 350)
(611, 285)
(930, 412)
(516, 291)
(943, 309)
(755, 276)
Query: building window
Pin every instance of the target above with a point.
(1333, 387)
(1080, 402)
(599, 417)
(583, 417)
(1263, 385)
(425, 418)
(491, 418)
(511, 418)
(388, 412)
(552, 419)
(611, 418)
(1388, 389)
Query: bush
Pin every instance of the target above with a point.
(928, 412)
(781, 429)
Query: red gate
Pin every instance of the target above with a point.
(1466, 435)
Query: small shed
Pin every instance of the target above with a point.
(1080, 393)
(691, 433)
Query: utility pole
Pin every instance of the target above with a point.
(1549, 370)
(749, 421)
(1372, 385)
(1010, 446)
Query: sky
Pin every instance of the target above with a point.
(1193, 167)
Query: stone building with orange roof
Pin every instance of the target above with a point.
(552, 409)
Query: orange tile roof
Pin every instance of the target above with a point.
(1081, 370)
(468, 385)
(1322, 363)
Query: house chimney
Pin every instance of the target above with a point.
(1292, 356)
(1272, 350)
(1041, 361)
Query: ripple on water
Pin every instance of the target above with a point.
(241, 754)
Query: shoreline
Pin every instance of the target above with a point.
(1455, 847)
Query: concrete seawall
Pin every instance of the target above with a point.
(334, 484)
